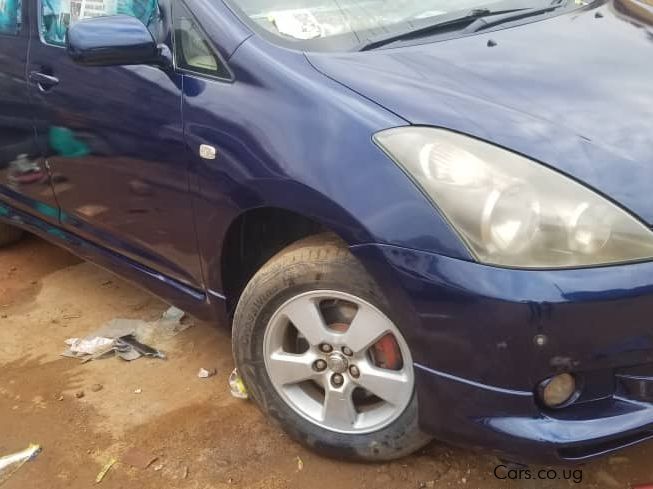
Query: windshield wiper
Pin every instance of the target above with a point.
(484, 23)
(471, 21)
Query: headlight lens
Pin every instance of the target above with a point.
(512, 211)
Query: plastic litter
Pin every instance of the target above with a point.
(88, 346)
(127, 338)
(126, 347)
(237, 386)
(127, 342)
(206, 373)
(126, 352)
(120, 327)
(173, 314)
(11, 463)
(102, 474)
(99, 354)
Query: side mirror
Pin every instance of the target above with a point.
(112, 41)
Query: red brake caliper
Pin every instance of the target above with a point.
(386, 351)
(387, 354)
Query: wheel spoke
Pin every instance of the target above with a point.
(312, 389)
(307, 318)
(338, 410)
(287, 368)
(391, 386)
(367, 328)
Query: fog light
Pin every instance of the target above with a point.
(557, 390)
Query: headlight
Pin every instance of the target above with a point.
(512, 211)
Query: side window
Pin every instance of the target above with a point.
(192, 49)
(57, 15)
(10, 16)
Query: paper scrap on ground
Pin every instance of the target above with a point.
(128, 338)
(89, 345)
(205, 373)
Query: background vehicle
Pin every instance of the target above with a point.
(403, 215)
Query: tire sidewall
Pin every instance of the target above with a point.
(266, 293)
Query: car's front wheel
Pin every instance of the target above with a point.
(9, 234)
(317, 350)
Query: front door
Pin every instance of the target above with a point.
(24, 179)
(115, 143)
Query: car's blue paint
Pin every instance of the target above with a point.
(459, 305)
(289, 138)
(472, 329)
(294, 131)
(196, 301)
(226, 30)
(92, 42)
(24, 191)
(120, 174)
(572, 91)
(512, 425)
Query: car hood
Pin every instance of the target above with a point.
(574, 91)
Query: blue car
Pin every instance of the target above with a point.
(420, 218)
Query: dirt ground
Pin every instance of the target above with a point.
(203, 438)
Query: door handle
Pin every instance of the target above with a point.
(43, 81)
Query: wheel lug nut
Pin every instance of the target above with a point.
(347, 351)
(326, 348)
(319, 365)
(353, 370)
(337, 380)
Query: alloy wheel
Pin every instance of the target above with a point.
(338, 361)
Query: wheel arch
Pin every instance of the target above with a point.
(257, 234)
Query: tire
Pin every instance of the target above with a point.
(9, 234)
(303, 270)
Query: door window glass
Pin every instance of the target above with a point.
(10, 16)
(58, 15)
(192, 50)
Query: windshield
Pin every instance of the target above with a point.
(343, 24)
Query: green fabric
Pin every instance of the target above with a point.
(64, 142)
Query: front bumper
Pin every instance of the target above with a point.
(472, 332)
